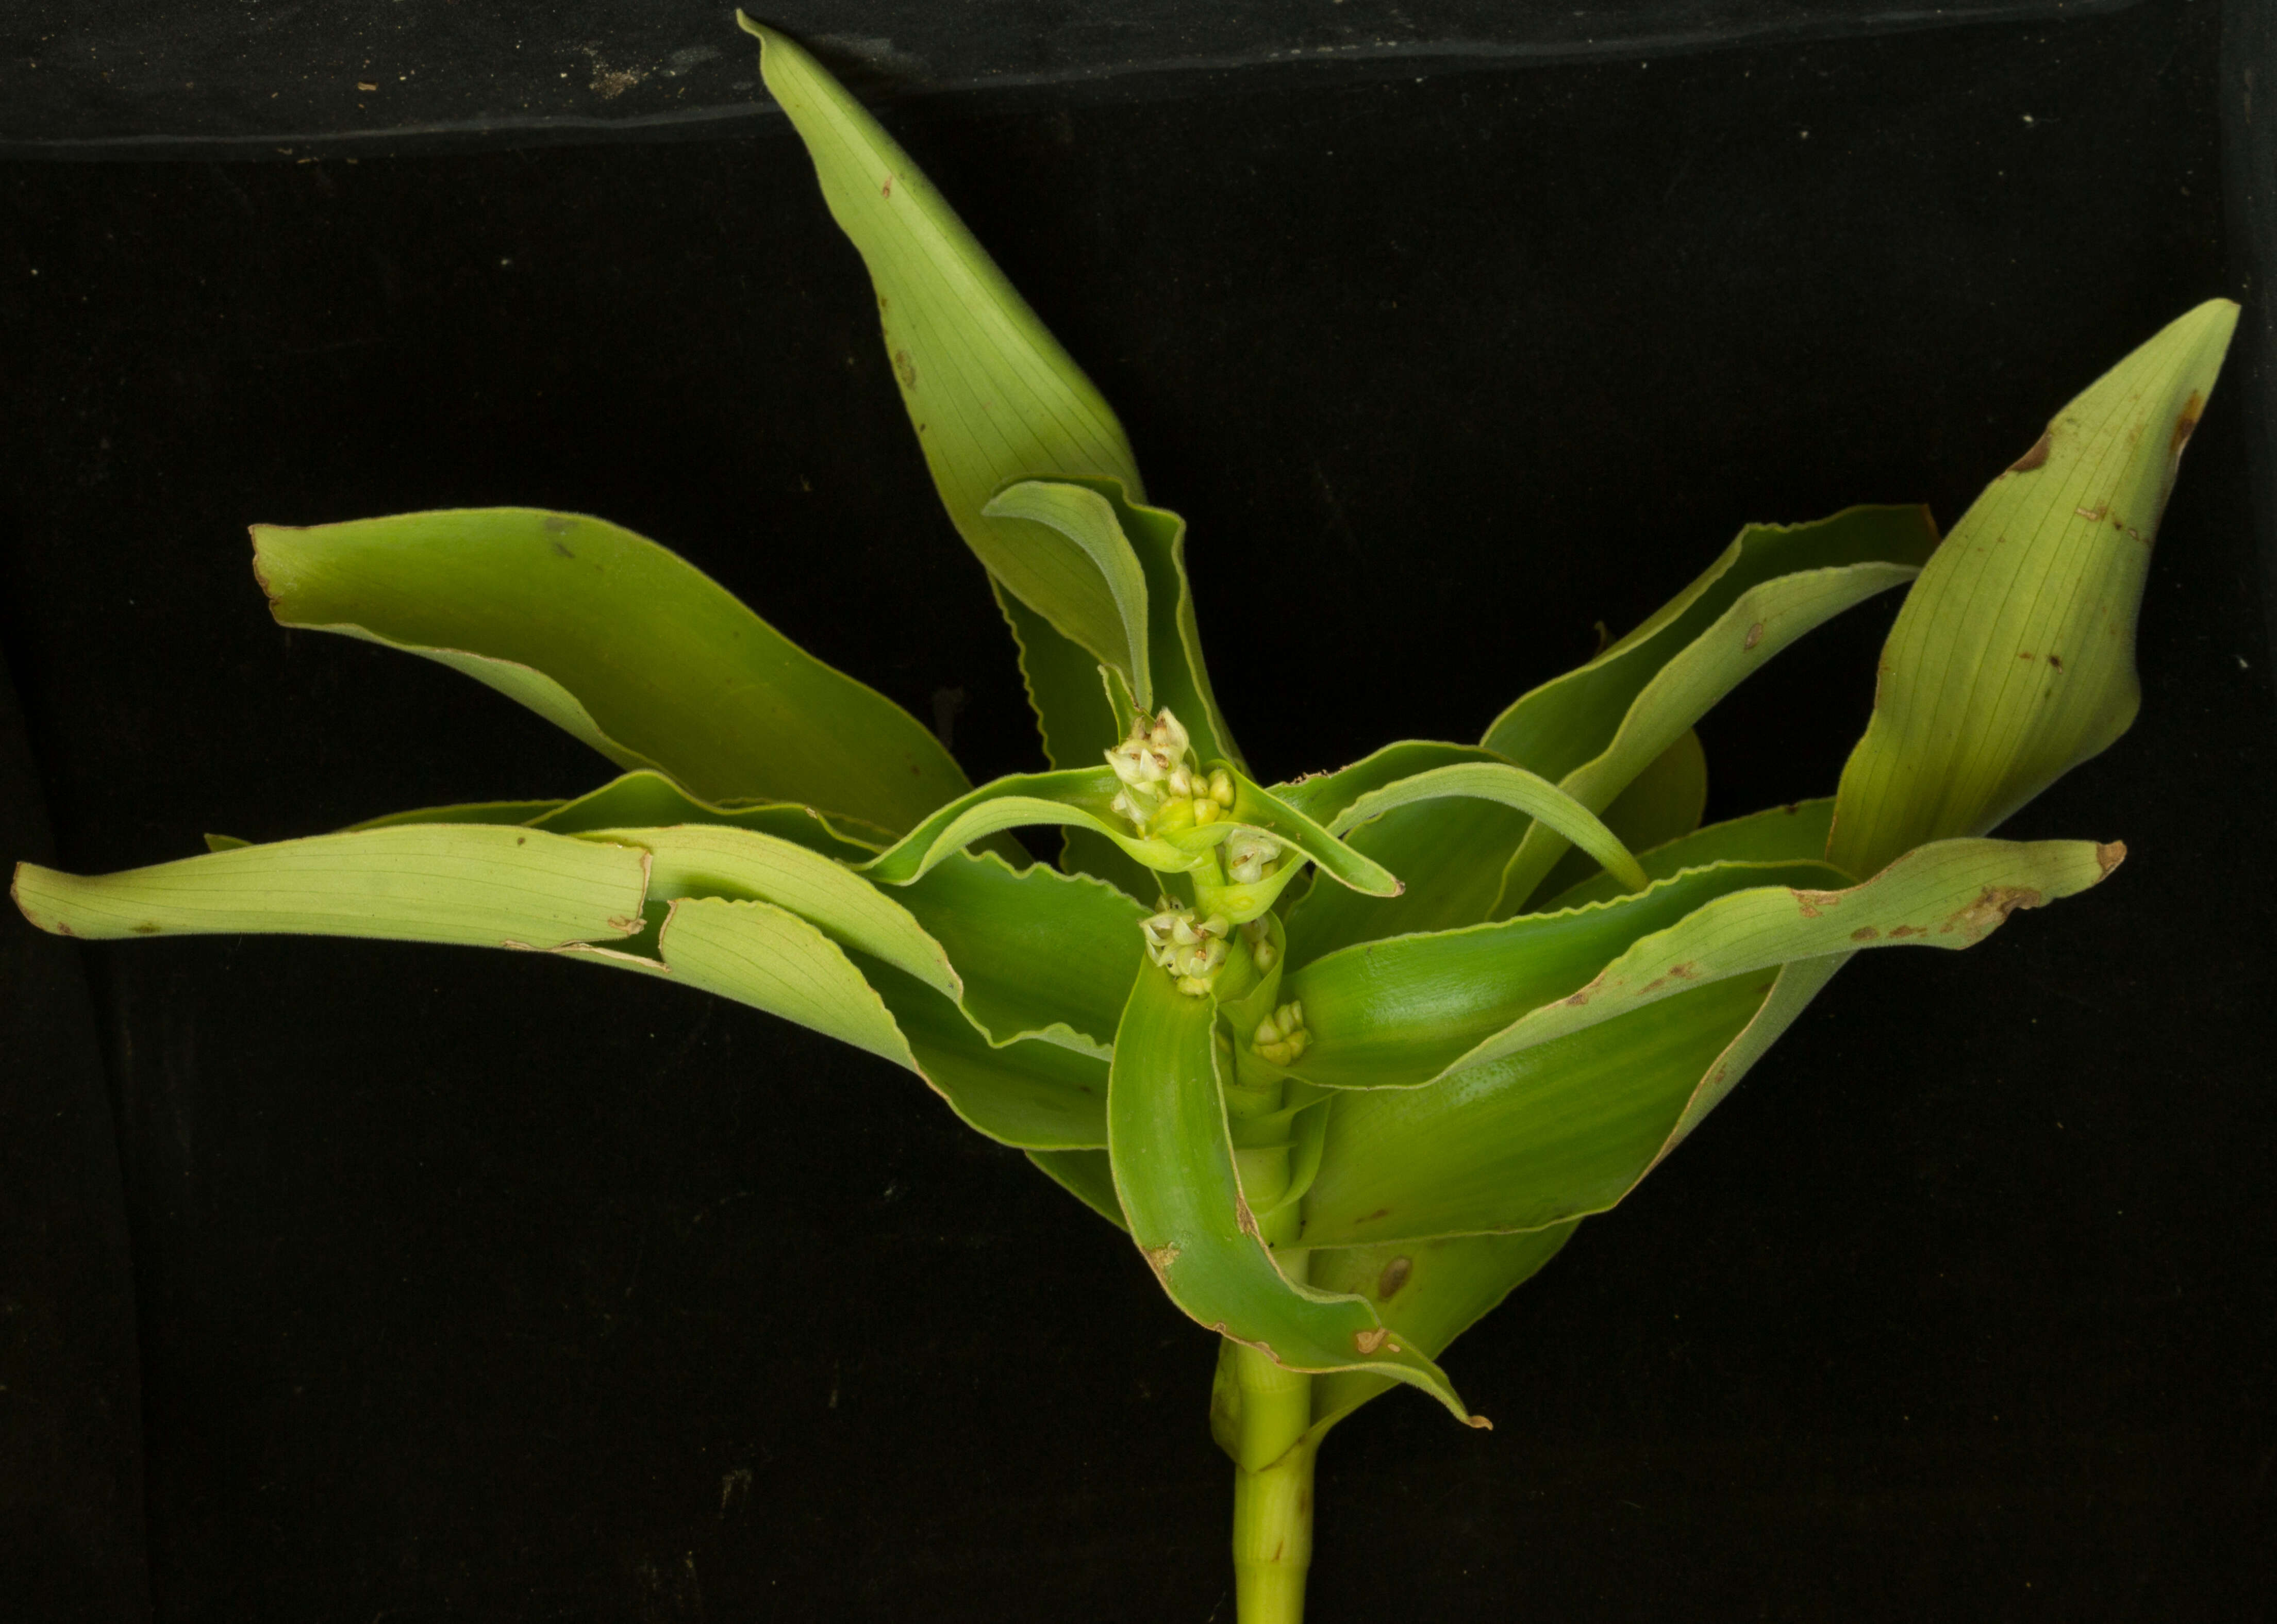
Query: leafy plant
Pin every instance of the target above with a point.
(1348, 1057)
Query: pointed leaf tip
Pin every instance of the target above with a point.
(2012, 659)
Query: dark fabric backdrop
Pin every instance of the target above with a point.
(475, 1285)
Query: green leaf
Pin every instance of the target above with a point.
(1795, 833)
(1322, 795)
(1562, 1113)
(1950, 894)
(1087, 1175)
(626, 645)
(1547, 1134)
(1449, 855)
(715, 860)
(1042, 953)
(1404, 1011)
(1175, 1181)
(1595, 728)
(2012, 659)
(1662, 804)
(1102, 607)
(1083, 798)
(481, 887)
(993, 396)
(1429, 1291)
(996, 400)
(650, 800)
(1034, 1095)
(756, 953)
(1504, 785)
(1182, 681)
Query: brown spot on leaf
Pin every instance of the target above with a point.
(1578, 999)
(1898, 931)
(1814, 903)
(1369, 1341)
(2109, 854)
(557, 524)
(886, 190)
(1380, 1212)
(1865, 933)
(1993, 904)
(2095, 511)
(2185, 424)
(2036, 457)
(1394, 1275)
(520, 839)
(145, 930)
(1159, 1258)
(2056, 660)
(1755, 635)
(1243, 1216)
(2023, 653)
(905, 368)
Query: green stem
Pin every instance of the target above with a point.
(1273, 1506)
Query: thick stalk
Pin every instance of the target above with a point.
(1273, 1506)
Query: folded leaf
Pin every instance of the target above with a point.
(1507, 786)
(995, 400)
(1562, 1113)
(1096, 598)
(482, 887)
(1403, 1012)
(768, 956)
(1595, 728)
(1174, 1182)
(2013, 660)
(626, 645)
(1662, 804)
(1042, 953)
(1547, 1134)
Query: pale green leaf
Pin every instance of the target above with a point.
(2012, 659)
(483, 886)
(1102, 607)
(626, 645)
(1596, 728)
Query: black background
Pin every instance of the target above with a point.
(470, 1285)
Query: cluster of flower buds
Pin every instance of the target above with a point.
(1190, 948)
(1250, 857)
(1281, 1036)
(1162, 786)
(1259, 934)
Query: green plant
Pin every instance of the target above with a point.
(1341, 1120)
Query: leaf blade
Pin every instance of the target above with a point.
(1175, 1181)
(2012, 659)
(473, 885)
(621, 642)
